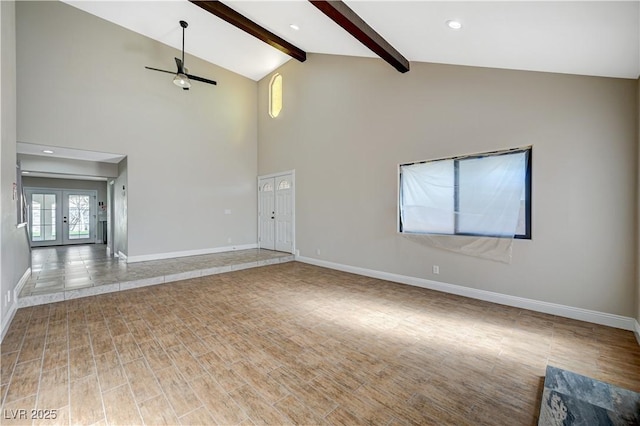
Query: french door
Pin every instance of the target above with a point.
(276, 212)
(61, 217)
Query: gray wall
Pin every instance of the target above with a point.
(347, 122)
(14, 251)
(191, 155)
(55, 183)
(120, 203)
(67, 166)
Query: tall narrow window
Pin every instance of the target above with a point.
(483, 195)
(275, 95)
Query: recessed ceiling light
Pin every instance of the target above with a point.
(294, 27)
(454, 25)
(47, 151)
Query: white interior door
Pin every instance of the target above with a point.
(276, 212)
(284, 213)
(266, 213)
(78, 217)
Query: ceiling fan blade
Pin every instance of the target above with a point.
(204, 80)
(156, 69)
(180, 66)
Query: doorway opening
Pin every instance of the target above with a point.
(67, 198)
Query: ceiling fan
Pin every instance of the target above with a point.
(182, 75)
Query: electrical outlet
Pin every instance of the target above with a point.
(318, 252)
(436, 269)
(227, 211)
(228, 240)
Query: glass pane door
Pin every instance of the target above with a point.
(79, 217)
(58, 217)
(43, 212)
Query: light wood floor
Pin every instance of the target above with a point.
(293, 343)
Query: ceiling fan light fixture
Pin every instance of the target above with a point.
(182, 80)
(453, 24)
(294, 27)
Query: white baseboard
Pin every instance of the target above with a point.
(21, 283)
(636, 331)
(161, 256)
(122, 256)
(603, 318)
(6, 322)
(13, 308)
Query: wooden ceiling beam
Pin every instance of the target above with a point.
(238, 20)
(344, 16)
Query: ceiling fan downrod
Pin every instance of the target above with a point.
(184, 25)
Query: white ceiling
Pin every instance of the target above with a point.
(599, 38)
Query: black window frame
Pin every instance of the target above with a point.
(456, 160)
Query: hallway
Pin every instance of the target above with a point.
(68, 272)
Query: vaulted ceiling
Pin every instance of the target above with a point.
(598, 38)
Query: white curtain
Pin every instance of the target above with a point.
(489, 192)
(428, 197)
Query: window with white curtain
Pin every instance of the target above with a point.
(480, 195)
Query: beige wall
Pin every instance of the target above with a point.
(348, 122)
(14, 251)
(191, 155)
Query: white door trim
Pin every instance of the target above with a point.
(291, 173)
(273, 175)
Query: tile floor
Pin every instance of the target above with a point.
(294, 344)
(68, 272)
